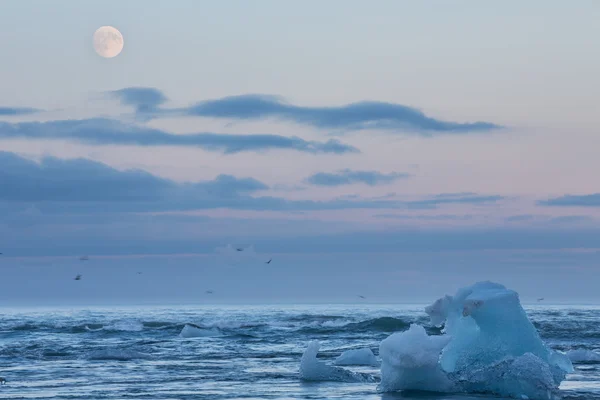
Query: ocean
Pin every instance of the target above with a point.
(239, 352)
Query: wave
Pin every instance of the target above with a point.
(308, 318)
(117, 355)
(583, 356)
(381, 324)
(195, 331)
(564, 328)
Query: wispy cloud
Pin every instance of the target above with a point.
(348, 177)
(468, 198)
(440, 217)
(355, 116)
(100, 131)
(547, 220)
(14, 111)
(587, 200)
(521, 218)
(572, 219)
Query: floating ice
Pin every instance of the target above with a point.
(357, 357)
(488, 346)
(583, 356)
(192, 331)
(312, 369)
(410, 361)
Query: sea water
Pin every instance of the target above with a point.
(237, 352)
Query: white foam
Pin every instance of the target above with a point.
(357, 357)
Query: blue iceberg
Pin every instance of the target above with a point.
(488, 345)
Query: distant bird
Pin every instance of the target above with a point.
(84, 258)
(269, 262)
(239, 249)
(2, 381)
(139, 273)
(540, 299)
(209, 292)
(0, 254)
(77, 278)
(361, 296)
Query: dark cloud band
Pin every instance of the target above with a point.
(99, 131)
(348, 177)
(361, 115)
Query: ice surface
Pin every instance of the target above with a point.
(312, 369)
(583, 356)
(410, 361)
(192, 331)
(357, 357)
(488, 346)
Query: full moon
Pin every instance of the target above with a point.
(108, 41)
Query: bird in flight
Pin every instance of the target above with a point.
(540, 299)
(84, 258)
(269, 262)
(239, 249)
(209, 292)
(78, 277)
(361, 296)
(139, 273)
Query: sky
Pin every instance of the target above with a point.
(418, 145)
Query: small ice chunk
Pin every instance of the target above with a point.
(410, 362)
(312, 369)
(357, 357)
(193, 331)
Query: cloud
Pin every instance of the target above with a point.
(100, 131)
(355, 116)
(520, 218)
(587, 200)
(14, 111)
(572, 219)
(80, 181)
(546, 220)
(143, 99)
(453, 195)
(441, 217)
(84, 186)
(348, 177)
(457, 198)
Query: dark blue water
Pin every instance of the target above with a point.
(244, 352)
